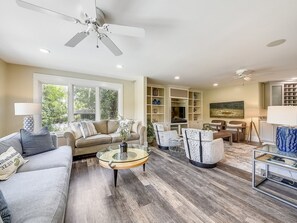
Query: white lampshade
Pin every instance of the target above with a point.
(282, 115)
(27, 108)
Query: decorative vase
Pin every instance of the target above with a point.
(123, 147)
(286, 139)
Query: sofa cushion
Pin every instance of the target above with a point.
(93, 140)
(116, 137)
(112, 126)
(37, 196)
(4, 211)
(134, 136)
(35, 143)
(87, 129)
(11, 140)
(101, 126)
(61, 157)
(10, 161)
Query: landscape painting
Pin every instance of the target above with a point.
(233, 109)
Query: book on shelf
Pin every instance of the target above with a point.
(284, 161)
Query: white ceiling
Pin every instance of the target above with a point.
(202, 41)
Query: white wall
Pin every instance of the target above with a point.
(140, 99)
(249, 93)
(3, 77)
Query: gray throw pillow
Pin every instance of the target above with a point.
(11, 140)
(4, 211)
(35, 143)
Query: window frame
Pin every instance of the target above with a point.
(70, 82)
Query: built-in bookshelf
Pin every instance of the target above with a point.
(155, 104)
(195, 109)
(290, 94)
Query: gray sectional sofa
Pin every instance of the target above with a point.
(38, 191)
(106, 136)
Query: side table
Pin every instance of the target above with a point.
(275, 162)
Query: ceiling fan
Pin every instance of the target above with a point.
(96, 25)
(244, 74)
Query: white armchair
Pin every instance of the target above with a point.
(201, 149)
(164, 138)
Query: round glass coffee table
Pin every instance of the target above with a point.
(113, 158)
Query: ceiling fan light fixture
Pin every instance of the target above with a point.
(45, 51)
(120, 66)
(247, 78)
(241, 71)
(215, 84)
(176, 77)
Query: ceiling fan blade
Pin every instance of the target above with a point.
(46, 11)
(124, 30)
(110, 45)
(76, 39)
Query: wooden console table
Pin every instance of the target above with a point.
(223, 134)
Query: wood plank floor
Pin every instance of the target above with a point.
(171, 190)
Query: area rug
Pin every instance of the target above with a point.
(239, 155)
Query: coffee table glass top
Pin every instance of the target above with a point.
(134, 152)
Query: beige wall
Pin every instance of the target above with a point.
(249, 93)
(20, 89)
(3, 76)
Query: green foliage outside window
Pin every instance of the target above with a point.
(84, 103)
(54, 107)
(108, 104)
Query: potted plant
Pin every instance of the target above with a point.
(150, 132)
(125, 132)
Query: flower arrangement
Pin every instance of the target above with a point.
(125, 128)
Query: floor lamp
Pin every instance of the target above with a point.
(253, 113)
(27, 109)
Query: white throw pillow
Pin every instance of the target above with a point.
(125, 122)
(75, 127)
(215, 123)
(87, 129)
(10, 161)
(135, 126)
(233, 125)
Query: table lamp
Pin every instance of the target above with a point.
(286, 135)
(28, 109)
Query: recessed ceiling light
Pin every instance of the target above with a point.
(46, 51)
(119, 66)
(215, 84)
(276, 43)
(176, 77)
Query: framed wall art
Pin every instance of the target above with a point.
(233, 109)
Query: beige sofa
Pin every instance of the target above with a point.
(106, 136)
